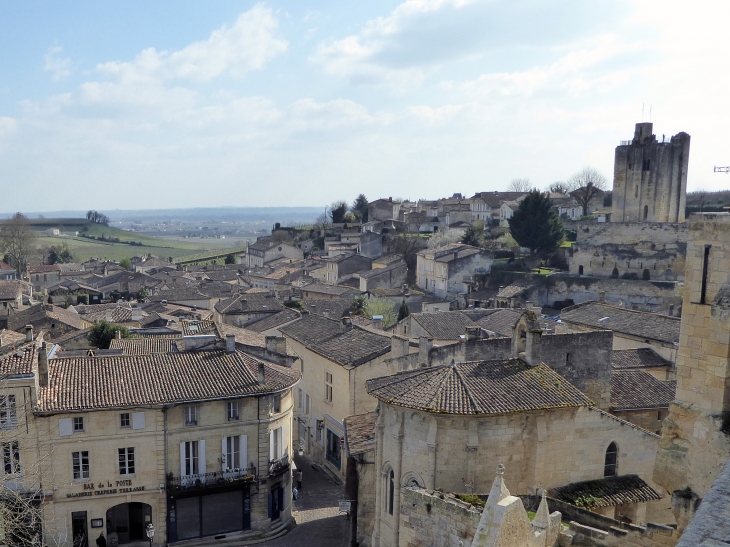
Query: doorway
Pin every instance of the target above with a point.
(128, 521)
(79, 530)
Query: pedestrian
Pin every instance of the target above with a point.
(101, 540)
(298, 477)
(295, 493)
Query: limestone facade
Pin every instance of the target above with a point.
(544, 449)
(695, 441)
(650, 177)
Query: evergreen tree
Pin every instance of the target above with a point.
(102, 334)
(360, 208)
(473, 236)
(536, 225)
(403, 312)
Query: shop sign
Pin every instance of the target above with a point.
(105, 488)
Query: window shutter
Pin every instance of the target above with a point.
(138, 421)
(272, 456)
(224, 464)
(244, 451)
(201, 457)
(182, 459)
(65, 427)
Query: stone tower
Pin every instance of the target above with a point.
(650, 177)
(695, 439)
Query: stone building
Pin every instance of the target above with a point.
(650, 177)
(265, 251)
(450, 269)
(695, 442)
(196, 443)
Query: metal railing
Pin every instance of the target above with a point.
(217, 478)
(625, 143)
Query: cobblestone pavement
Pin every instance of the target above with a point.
(319, 522)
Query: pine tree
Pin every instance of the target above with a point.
(536, 225)
(403, 312)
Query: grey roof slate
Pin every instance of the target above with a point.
(446, 325)
(274, 320)
(638, 358)
(606, 492)
(652, 326)
(637, 389)
(360, 433)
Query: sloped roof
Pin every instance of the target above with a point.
(249, 303)
(144, 346)
(445, 325)
(478, 387)
(19, 361)
(515, 288)
(326, 337)
(653, 326)
(606, 492)
(638, 358)
(334, 290)
(360, 433)
(10, 289)
(637, 389)
(87, 383)
(40, 312)
(274, 320)
(333, 309)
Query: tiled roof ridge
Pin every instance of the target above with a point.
(623, 422)
(609, 305)
(477, 408)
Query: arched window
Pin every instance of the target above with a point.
(646, 211)
(610, 467)
(391, 491)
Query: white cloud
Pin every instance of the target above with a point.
(355, 57)
(235, 51)
(7, 126)
(55, 64)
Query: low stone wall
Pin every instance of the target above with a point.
(428, 520)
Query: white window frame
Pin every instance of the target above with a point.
(232, 411)
(81, 471)
(328, 391)
(234, 454)
(8, 412)
(127, 464)
(192, 458)
(190, 413)
(10, 453)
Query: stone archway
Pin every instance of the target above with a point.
(128, 521)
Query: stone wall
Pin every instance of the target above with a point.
(653, 296)
(433, 519)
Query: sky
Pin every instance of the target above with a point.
(175, 103)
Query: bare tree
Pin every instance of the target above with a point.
(16, 241)
(558, 187)
(585, 185)
(519, 185)
(701, 196)
(416, 220)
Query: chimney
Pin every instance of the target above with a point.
(28, 333)
(276, 344)
(243, 304)
(43, 366)
(109, 316)
(474, 332)
(230, 343)
(528, 304)
(345, 324)
(601, 296)
(262, 374)
(532, 347)
(136, 314)
(424, 349)
(378, 322)
(118, 334)
(398, 346)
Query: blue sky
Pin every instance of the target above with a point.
(179, 104)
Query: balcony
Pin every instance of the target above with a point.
(229, 478)
(279, 467)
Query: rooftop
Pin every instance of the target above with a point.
(638, 358)
(638, 324)
(478, 387)
(327, 337)
(274, 320)
(606, 492)
(360, 433)
(88, 383)
(446, 325)
(249, 303)
(637, 389)
(144, 346)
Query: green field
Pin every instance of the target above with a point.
(85, 248)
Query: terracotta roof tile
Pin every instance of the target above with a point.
(606, 492)
(360, 433)
(484, 387)
(275, 320)
(87, 383)
(636, 389)
(144, 346)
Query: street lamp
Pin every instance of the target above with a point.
(150, 532)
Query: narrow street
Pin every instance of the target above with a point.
(319, 522)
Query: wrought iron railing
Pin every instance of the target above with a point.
(209, 480)
(279, 467)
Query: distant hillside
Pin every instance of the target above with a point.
(708, 202)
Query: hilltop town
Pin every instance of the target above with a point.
(515, 368)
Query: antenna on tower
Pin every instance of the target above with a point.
(650, 107)
(642, 112)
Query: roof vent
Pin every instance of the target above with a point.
(603, 319)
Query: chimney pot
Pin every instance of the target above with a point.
(230, 343)
(118, 334)
(28, 333)
(43, 366)
(262, 373)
